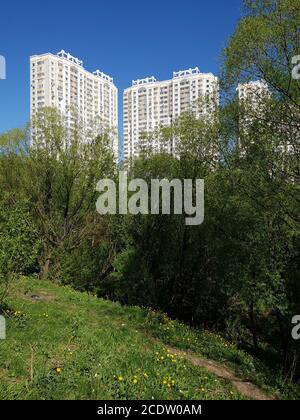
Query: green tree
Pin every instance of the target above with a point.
(60, 176)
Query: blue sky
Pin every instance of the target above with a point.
(126, 39)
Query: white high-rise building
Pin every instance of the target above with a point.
(149, 104)
(251, 97)
(252, 92)
(61, 81)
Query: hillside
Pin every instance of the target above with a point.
(62, 344)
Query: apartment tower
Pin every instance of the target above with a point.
(149, 104)
(61, 81)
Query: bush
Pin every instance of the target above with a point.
(19, 243)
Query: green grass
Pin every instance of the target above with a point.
(212, 346)
(62, 344)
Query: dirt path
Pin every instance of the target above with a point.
(245, 388)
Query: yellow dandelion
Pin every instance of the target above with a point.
(120, 378)
(58, 370)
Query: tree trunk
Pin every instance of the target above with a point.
(253, 328)
(44, 264)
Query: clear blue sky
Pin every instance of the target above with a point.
(126, 39)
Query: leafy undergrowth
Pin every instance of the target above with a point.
(62, 344)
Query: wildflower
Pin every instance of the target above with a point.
(120, 378)
(58, 370)
(135, 381)
(145, 375)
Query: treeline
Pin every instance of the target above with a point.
(238, 272)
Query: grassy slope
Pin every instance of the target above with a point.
(62, 344)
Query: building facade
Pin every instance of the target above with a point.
(149, 104)
(252, 92)
(251, 97)
(61, 81)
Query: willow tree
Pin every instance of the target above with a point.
(62, 169)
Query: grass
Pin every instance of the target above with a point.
(62, 344)
(212, 346)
